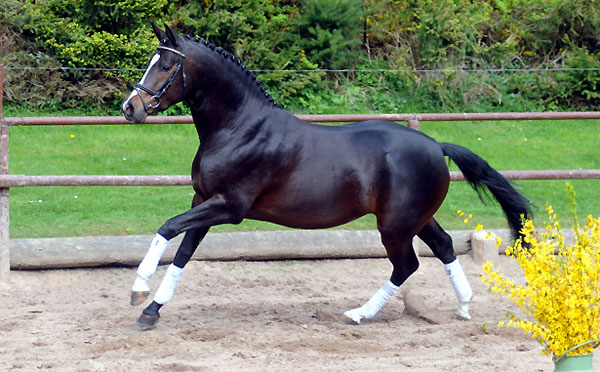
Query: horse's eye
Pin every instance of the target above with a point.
(165, 68)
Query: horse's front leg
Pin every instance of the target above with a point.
(196, 222)
(165, 291)
(140, 290)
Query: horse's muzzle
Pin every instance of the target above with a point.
(131, 113)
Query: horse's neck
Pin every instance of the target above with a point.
(227, 99)
(227, 123)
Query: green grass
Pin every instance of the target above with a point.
(169, 149)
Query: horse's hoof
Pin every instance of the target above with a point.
(138, 298)
(349, 321)
(147, 322)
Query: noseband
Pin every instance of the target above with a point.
(157, 94)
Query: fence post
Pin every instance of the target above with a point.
(4, 192)
(413, 124)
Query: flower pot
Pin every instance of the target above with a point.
(578, 363)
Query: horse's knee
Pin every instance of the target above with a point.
(168, 230)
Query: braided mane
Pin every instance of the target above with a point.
(228, 56)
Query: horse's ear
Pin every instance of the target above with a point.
(171, 35)
(160, 34)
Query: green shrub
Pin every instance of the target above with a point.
(111, 34)
(329, 31)
(257, 31)
(273, 36)
(581, 86)
(99, 34)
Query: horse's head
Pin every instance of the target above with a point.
(163, 83)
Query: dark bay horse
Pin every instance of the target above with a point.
(259, 161)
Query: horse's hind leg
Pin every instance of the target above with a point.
(404, 260)
(440, 243)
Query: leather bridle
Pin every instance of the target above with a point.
(157, 94)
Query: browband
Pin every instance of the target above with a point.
(171, 50)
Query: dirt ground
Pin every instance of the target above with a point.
(256, 316)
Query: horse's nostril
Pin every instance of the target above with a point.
(128, 109)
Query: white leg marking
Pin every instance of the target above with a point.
(140, 285)
(148, 265)
(167, 287)
(375, 303)
(463, 290)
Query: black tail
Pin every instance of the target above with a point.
(478, 173)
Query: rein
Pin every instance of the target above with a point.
(157, 94)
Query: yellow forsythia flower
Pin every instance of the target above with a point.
(561, 294)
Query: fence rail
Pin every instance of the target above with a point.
(335, 118)
(7, 180)
(18, 180)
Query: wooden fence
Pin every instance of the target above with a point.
(9, 180)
